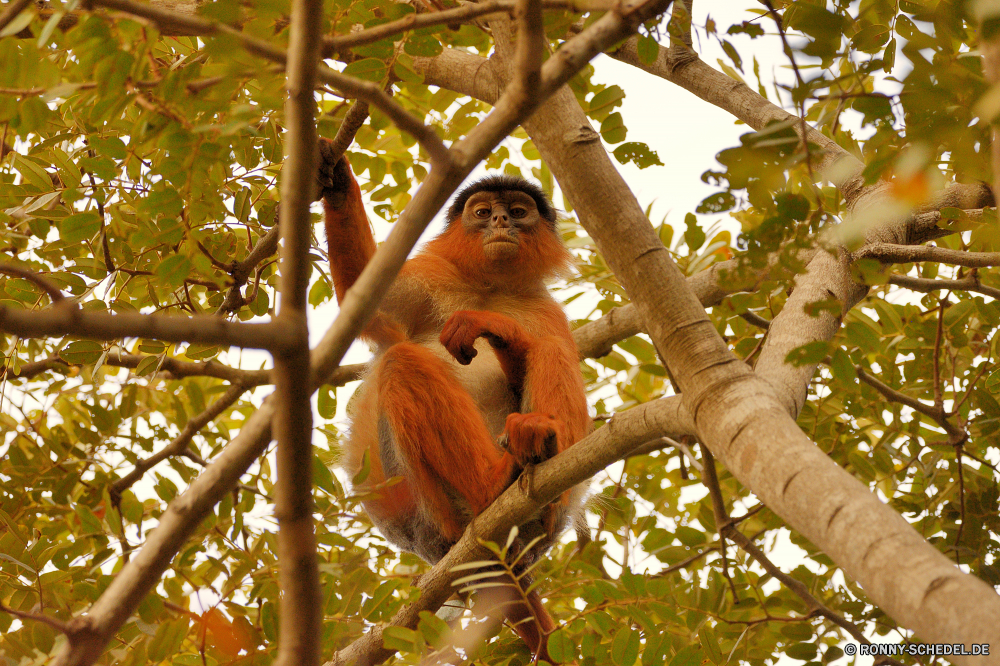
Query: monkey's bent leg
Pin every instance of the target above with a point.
(435, 430)
(553, 386)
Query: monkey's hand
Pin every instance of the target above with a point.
(461, 331)
(532, 438)
(334, 175)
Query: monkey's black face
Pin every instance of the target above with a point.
(501, 219)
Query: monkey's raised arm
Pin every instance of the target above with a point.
(349, 238)
(348, 233)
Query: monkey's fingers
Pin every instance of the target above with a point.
(334, 177)
(459, 339)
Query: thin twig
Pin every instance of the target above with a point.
(35, 278)
(929, 285)
(756, 320)
(58, 625)
(961, 496)
(463, 14)
(375, 95)
(938, 337)
(722, 518)
(180, 443)
(908, 254)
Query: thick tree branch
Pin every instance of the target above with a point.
(67, 319)
(622, 434)
(742, 420)
(353, 120)
(301, 608)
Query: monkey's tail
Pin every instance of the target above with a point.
(525, 613)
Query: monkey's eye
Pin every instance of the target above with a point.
(482, 212)
(518, 212)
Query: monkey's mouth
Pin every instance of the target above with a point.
(511, 240)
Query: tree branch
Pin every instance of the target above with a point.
(463, 14)
(906, 254)
(375, 95)
(930, 285)
(67, 319)
(185, 513)
(301, 608)
(353, 120)
(56, 624)
(179, 445)
(54, 294)
(741, 418)
(935, 413)
(12, 12)
(623, 433)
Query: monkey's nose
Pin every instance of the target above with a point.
(500, 220)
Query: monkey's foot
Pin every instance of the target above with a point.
(532, 438)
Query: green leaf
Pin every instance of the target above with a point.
(613, 128)
(368, 69)
(604, 102)
(694, 236)
(802, 651)
(808, 354)
(871, 38)
(561, 646)
(327, 401)
(174, 270)
(20, 22)
(33, 173)
(90, 523)
(80, 227)
(426, 46)
(688, 656)
(648, 49)
(167, 640)
(82, 352)
(402, 639)
(637, 153)
(625, 647)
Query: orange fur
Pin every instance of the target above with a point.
(467, 349)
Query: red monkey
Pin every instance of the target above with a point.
(470, 350)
